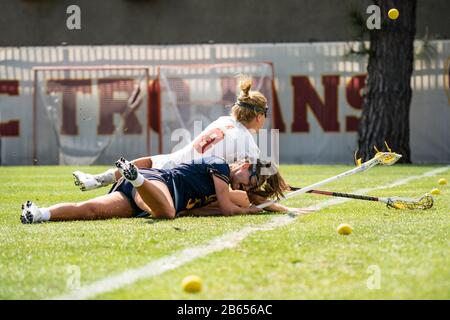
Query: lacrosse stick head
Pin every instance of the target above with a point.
(387, 158)
(423, 203)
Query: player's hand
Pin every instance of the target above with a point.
(253, 209)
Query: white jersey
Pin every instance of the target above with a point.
(224, 137)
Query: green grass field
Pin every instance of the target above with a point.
(407, 251)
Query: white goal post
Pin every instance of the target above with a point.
(86, 115)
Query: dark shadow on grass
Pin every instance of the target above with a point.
(265, 213)
(150, 220)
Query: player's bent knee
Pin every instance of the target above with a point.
(166, 214)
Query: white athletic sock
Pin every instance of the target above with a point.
(45, 214)
(111, 175)
(139, 180)
(106, 178)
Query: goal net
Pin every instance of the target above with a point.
(86, 115)
(192, 96)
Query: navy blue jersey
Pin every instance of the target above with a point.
(191, 185)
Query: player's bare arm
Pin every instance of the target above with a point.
(227, 207)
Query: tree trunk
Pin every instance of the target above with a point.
(385, 115)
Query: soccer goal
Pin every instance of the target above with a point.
(192, 96)
(90, 114)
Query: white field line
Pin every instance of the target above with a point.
(228, 240)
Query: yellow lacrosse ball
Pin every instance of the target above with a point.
(393, 14)
(435, 191)
(192, 284)
(344, 229)
(442, 181)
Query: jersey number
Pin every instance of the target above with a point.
(209, 139)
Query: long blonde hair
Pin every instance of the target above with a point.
(249, 103)
(270, 182)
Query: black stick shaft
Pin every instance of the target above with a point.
(341, 195)
(344, 195)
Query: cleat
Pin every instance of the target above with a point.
(127, 169)
(30, 213)
(85, 181)
(118, 164)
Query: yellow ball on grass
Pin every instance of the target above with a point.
(435, 191)
(192, 284)
(344, 229)
(442, 181)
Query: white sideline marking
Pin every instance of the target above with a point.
(225, 241)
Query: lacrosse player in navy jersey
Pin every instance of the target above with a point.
(201, 187)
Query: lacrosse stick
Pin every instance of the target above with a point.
(383, 158)
(422, 203)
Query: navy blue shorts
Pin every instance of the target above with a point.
(129, 191)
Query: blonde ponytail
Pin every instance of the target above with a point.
(249, 103)
(245, 84)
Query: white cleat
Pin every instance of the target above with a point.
(86, 181)
(127, 169)
(30, 213)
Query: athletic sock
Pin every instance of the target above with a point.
(106, 178)
(139, 181)
(45, 214)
